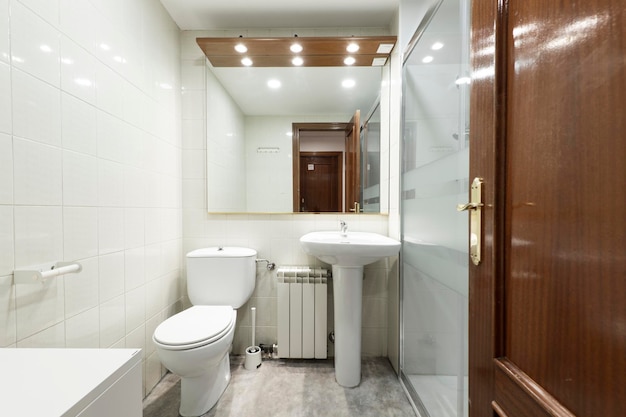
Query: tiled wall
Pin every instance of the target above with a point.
(274, 236)
(90, 171)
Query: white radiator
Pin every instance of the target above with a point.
(302, 301)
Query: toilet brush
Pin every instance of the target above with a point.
(253, 353)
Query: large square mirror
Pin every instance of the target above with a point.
(263, 121)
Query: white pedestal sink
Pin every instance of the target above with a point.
(348, 253)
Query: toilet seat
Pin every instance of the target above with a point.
(197, 326)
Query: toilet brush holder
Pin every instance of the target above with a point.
(253, 353)
(253, 358)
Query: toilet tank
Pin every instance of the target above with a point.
(221, 276)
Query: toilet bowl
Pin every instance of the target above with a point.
(195, 343)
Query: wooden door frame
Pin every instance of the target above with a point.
(487, 151)
(295, 146)
(352, 135)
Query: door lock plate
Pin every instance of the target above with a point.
(475, 209)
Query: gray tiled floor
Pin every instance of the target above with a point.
(293, 388)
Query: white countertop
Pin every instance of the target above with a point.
(58, 382)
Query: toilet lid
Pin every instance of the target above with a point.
(196, 326)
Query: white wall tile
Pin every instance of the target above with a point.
(52, 337)
(170, 224)
(6, 170)
(153, 261)
(134, 187)
(6, 240)
(193, 163)
(133, 147)
(7, 312)
(81, 289)
(137, 339)
(111, 275)
(134, 224)
(38, 173)
(90, 170)
(39, 306)
(80, 232)
(110, 230)
(46, 9)
(193, 134)
(110, 137)
(135, 308)
(112, 321)
(4, 31)
(152, 225)
(77, 21)
(192, 75)
(79, 125)
(38, 235)
(193, 104)
(109, 91)
(152, 189)
(134, 268)
(110, 183)
(34, 45)
(36, 109)
(82, 330)
(5, 97)
(80, 179)
(78, 71)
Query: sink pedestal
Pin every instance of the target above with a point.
(348, 300)
(348, 252)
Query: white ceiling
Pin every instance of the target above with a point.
(224, 14)
(304, 91)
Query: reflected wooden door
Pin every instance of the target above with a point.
(548, 120)
(320, 181)
(353, 161)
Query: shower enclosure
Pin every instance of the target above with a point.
(435, 177)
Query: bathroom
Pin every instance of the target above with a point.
(103, 161)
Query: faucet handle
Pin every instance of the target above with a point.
(343, 225)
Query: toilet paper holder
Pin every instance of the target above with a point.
(41, 273)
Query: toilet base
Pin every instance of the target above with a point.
(199, 394)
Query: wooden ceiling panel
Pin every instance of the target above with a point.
(275, 52)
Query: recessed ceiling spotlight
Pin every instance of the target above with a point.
(295, 48)
(297, 61)
(352, 47)
(273, 83)
(436, 46)
(427, 59)
(348, 83)
(246, 61)
(349, 60)
(241, 48)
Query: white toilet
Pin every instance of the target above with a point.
(195, 343)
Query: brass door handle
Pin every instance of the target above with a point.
(468, 206)
(474, 207)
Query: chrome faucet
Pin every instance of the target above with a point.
(344, 227)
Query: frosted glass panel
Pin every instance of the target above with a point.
(435, 171)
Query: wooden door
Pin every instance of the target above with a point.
(547, 321)
(320, 181)
(353, 161)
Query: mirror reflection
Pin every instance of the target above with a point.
(251, 114)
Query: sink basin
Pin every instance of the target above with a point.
(349, 249)
(348, 252)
